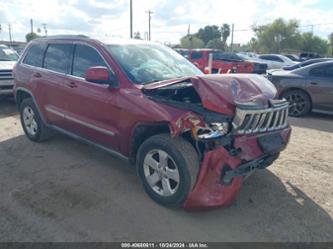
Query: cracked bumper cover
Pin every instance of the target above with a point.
(217, 186)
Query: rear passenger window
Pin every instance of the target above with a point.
(58, 57)
(85, 57)
(35, 55)
(196, 55)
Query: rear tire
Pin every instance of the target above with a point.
(32, 124)
(299, 103)
(168, 168)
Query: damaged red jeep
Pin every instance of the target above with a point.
(193, 137)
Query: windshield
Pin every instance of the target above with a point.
(147, 63)
(7, 54)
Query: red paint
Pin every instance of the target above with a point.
(208, 191)
(120, 110)
(97, 74)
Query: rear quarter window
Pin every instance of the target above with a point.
(34, 56)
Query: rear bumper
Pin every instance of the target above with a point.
(221, 174)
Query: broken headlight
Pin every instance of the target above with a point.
(212, 131)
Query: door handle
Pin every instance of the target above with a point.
(37, 75)
(314, 83)
(72, 84)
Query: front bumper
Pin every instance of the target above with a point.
(221, 173)
(6, 87)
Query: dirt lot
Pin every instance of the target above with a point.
(63, 190)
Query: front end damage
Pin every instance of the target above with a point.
(242, 133)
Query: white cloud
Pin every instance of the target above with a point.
(170, 19)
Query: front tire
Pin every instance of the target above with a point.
(299, 103)
(168, 169)
(32, 124)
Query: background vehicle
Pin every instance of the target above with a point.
(222, 61)
(147, 103)
(308, 55)
(8, 58)
(307, 89)
(301, 64)
(276, 61)
(293, 57)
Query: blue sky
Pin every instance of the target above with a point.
(110, 18)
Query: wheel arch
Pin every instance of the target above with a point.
(21, 94)
(144, 131)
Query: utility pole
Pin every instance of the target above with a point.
(10, 33)
(45, 29)
(232, 37)
(131, 19)
(32, 26)
(149, 23)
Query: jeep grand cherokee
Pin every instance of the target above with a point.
(193, 137)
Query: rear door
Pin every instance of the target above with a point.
(321, 87)
(92, 110)
(54, 88)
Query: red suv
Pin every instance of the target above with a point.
(193, 137)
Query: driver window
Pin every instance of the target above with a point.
(85, 57)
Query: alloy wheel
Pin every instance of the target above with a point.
(29, 121)
(297, 104)
(161, 172)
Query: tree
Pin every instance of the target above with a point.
(225, 30)
(31, 36)
(216, 44)
(190, 41)
(208, 33)
(277, 36)
(313, 43)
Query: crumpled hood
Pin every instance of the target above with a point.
(223, 92)
(7, 65)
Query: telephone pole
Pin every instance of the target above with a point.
(45, 29)
(131, 19)
(10, 33)
(32, 25)
(149, 23)
(232, 37)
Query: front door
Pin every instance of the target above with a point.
(92, 110)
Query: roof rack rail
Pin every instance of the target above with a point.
(66, 37)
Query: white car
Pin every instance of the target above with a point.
(8, 58)
(276, 61)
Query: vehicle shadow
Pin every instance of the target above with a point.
(98, 197)
(322, 122)
(7, 107)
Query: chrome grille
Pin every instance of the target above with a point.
(249, 121)
(6, 74)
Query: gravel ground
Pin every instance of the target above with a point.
(63, 190)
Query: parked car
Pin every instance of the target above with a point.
(293, 57)
(276, 61)
(223, 62)
(307, 89)
(193, 137)
(8, 58)
(301, 64)
(308, 55)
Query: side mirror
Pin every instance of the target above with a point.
(101, 75)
